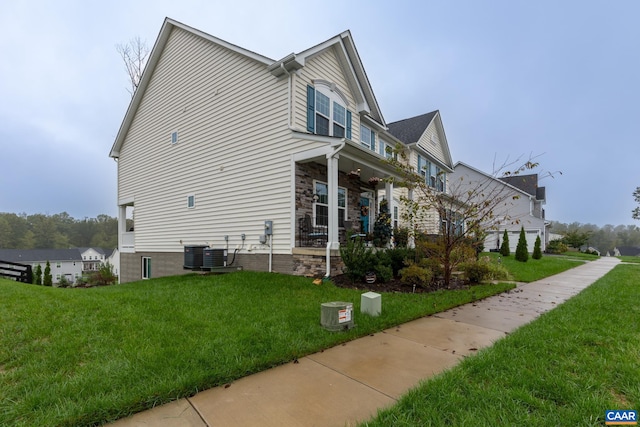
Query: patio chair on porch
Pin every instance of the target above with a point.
(310, 235)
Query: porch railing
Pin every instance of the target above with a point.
(314, 234)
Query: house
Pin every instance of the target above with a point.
(92, 259)
(271, 162)
(68, 263)
(626, 251)
(521, 205)
(65, 263)
(428, 153)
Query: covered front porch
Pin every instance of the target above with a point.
(337, 193)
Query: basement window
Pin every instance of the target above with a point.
(146, 267)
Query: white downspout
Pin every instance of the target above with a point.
(271, 253)
(332, 184)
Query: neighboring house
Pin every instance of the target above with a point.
(113, 257)
(522, 207)
(68, 263)
(554, 236)
(271, 160)
(92, 259)
(429, 154)
(65, 263)
(626, 251)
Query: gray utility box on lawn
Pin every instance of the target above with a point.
(336, 315)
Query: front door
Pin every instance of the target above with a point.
(364, 214)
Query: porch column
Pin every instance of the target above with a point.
(332, 189)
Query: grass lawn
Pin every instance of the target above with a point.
(634, 259)
(73, 357)
(535, 269)
(564, 369)
(580, 255)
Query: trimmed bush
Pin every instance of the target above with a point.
(104, 276)
(504, 248)
(556, 247)
(537, 251)
(399, 257)
(47, 280)
(476, 272)
(522, 253)
(415, 275)
(358, 259)
(384, 273)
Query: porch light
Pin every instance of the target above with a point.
(315, 198)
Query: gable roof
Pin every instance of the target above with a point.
(527, 183)
(629, 250)
(511, 186)
(347, 56)
(349, 59)
(156, 52)
(410, 130)
(42, 255)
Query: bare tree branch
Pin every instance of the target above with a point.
(134, 54)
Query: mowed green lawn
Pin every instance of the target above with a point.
(72, 357)
(536, 269)
(564, 369)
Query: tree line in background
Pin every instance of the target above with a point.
(604, 239)
(59, 231)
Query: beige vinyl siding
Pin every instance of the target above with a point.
(233, 151)
(429, 220)
(325, 66)
(425, 142)
(517, 209)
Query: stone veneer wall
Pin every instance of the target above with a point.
(307, 172)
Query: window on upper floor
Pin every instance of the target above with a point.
(384, 149)
(327, 112)
(434, 176)
(452, 223)
(367, 137)
(191, 201)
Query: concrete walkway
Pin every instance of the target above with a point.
(349, 383)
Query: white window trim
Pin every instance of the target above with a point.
(346, 199)
(174, 137)
(191, 197)
(368, 133)
(331, 91)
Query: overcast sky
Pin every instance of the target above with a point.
(553, 79)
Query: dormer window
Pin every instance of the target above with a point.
(327, 112)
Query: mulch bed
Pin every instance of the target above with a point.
(395, 285)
